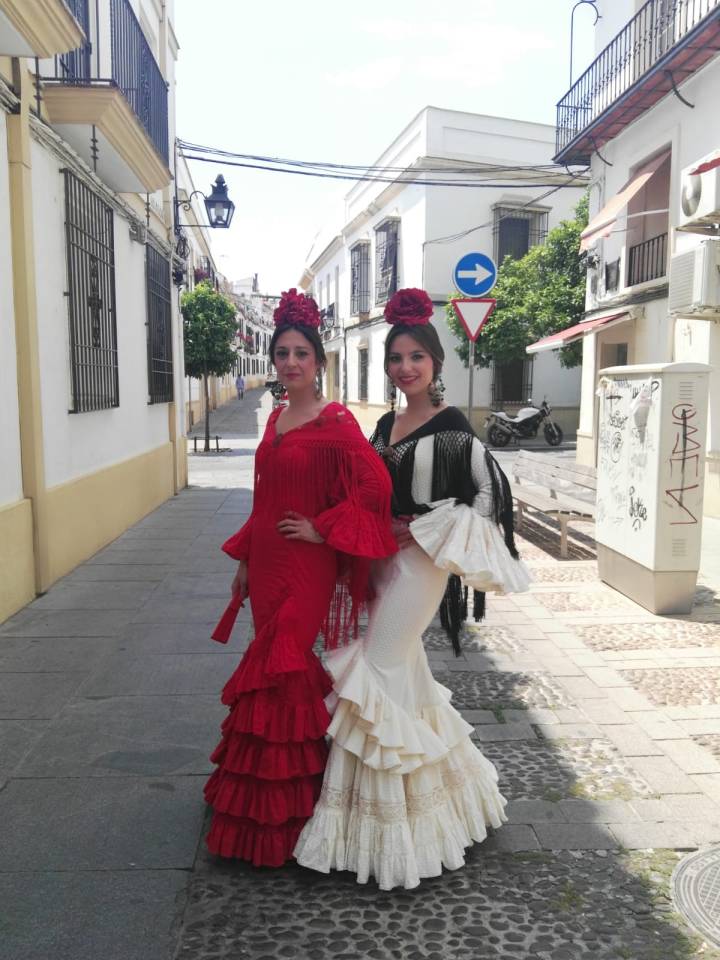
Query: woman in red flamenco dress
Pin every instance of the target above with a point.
(321, 512)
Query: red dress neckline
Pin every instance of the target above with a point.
(276, 416)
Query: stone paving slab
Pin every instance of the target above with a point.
(31, 622)
(192, 673)
(16, 738)
(117, 572)
(121, 736)
(93, 824)
(34, 696)
(55, 654)
(98, 915)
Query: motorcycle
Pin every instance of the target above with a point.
(500, 429)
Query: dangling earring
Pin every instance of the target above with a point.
(393, 395)
(318, 385)
(436, 390)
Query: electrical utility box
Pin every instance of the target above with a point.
(650, 478)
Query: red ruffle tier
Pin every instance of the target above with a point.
(271, 757)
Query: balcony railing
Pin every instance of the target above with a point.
(118, 54)
(647, 260)
(646, 43)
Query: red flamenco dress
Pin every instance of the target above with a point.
(272, 755)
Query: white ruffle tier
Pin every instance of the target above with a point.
(459, 539)
(403, 796)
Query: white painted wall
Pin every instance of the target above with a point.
(11, 473)
(77, 444)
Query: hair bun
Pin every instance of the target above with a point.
(409, 306)
(296, 309)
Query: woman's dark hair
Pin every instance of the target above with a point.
(310, 334)
(426, 335)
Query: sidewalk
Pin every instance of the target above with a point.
(603, 721)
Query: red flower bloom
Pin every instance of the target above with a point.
(409, 307)
(296, 308)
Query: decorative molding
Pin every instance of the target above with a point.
(9, 102)
(106, 108)
(47, 26)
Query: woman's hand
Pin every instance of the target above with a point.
(240, 581)
(401, 531)
(294, 526)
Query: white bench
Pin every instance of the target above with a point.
(555, 486)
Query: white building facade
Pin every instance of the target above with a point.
(654, 288)
(396, 235)
(91, 409)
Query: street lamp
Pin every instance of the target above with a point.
(220, 208)
(218, 205)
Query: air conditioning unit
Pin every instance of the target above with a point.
(695, 281)
(700, 200)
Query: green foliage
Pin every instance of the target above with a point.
(209, 328)
(537, 295)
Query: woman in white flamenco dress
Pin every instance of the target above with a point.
(405, 790)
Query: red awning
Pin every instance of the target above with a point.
(602, 223)
(563, 337)
(708, 163)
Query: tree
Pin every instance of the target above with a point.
(209, 327)
(539, 294)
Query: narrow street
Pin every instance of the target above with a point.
(602, 719)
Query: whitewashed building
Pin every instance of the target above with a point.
(91, 396)
(399, 234)
(644, 115)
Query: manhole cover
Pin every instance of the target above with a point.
(696, 892)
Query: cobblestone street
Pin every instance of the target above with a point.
(602, 719)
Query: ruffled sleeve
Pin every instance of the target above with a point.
(466, 540)
(359, 521)
(238, 545)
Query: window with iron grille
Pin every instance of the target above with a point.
(512, 382)
(359, 279)
(90, 247)
(516, 230)
(386, 260)
(362, 374)
(159, 326)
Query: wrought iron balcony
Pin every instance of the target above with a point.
(116, 56)
(664, 43)
(647, 260)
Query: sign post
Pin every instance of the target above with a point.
(473, 315)
(474, 276)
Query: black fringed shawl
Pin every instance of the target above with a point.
(451, 477)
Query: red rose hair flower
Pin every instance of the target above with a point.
(409, 307)
(296, 308)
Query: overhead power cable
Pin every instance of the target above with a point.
(483, 177)
(370, 168)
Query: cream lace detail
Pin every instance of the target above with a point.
(416, 805)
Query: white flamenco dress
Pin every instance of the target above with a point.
(405, 790)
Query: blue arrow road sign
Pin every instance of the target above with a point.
(475, 274)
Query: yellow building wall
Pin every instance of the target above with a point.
(17, 570)
(86, 514)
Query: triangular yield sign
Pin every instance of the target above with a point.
(474, 314)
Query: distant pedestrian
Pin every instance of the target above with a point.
(240, 386)
(321, 512)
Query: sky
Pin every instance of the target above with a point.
(337, 81)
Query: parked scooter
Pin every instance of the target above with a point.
(500, 429)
